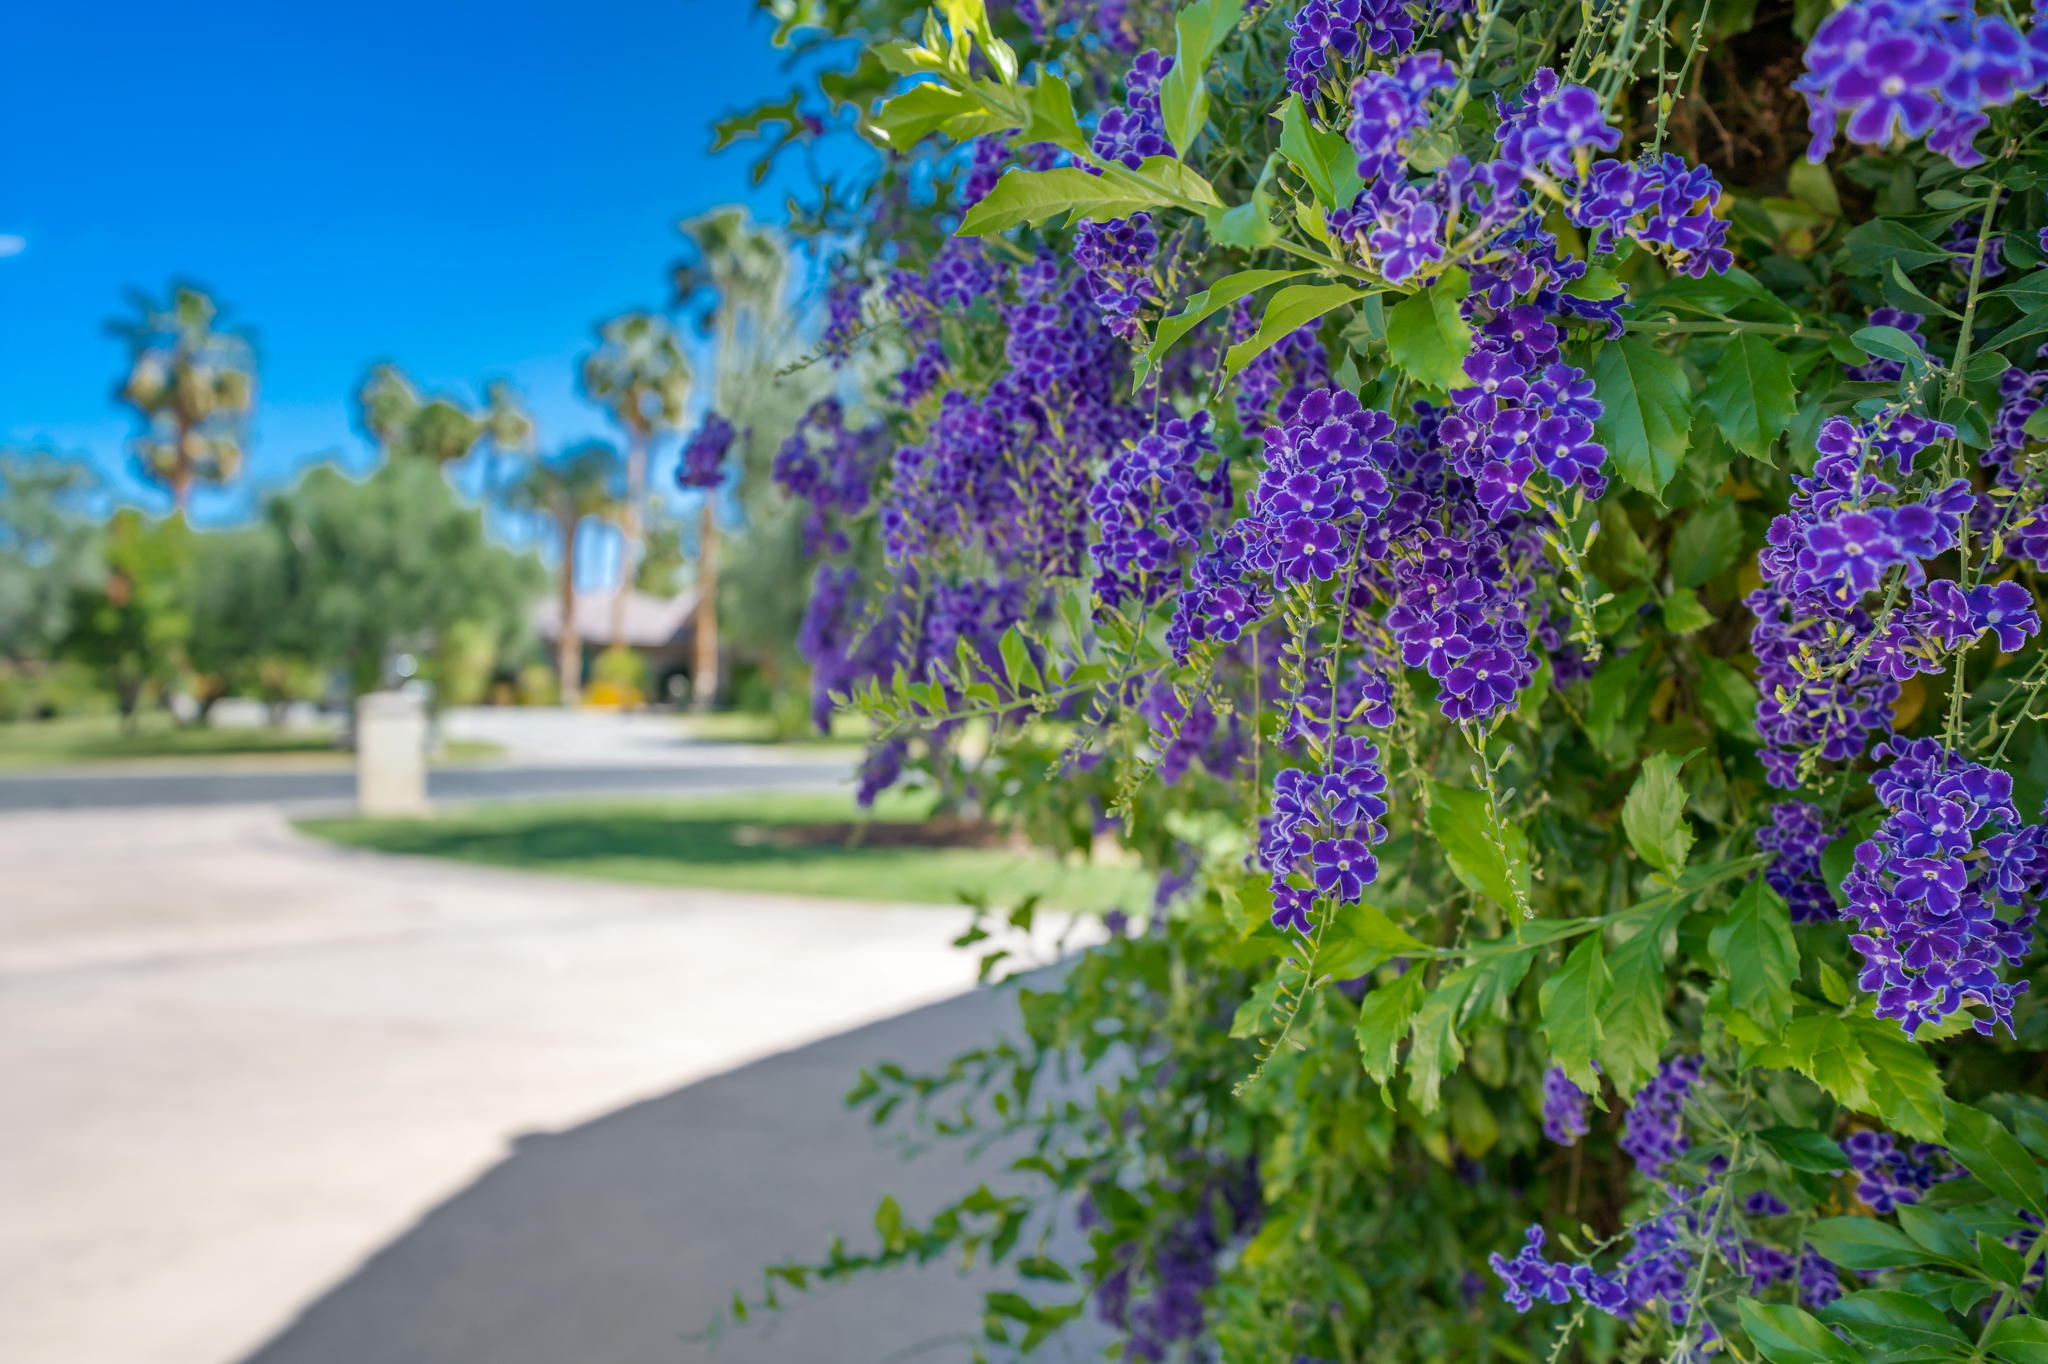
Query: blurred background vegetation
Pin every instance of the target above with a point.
(451, 567)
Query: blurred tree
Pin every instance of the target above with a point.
(246, 638)
(49, 547)
(192, 389)
(404, 424)
(582, 483)
(133, 624)
(734, 285)
(385, 565)
(639, 375)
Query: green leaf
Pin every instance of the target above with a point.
(1888, 343)
(1200, 307)
(1256, 1011)
(1863, 1243)
(1461, 821)
(1571, 1000)
(1436, 1049)
(1824, 1049)
(1324, 157)
(1050, 109)
(1361, 939)
(1754, 947)
(1426, 336)
(1287, 311)
(1647, 410)
(1750, 394)
(1024, 196)
(1683, 612)
(1654, 815)
(1728, 697)
(1941, 1235)
(922, 110)
(1874, 245)
(1706, 543)
(1995, 1157)
(1198, 31)
(1634, 1026)
(1786, 1335)
(1888, 1320)
(1383, 1021)
(1802, 1148)
(2020, 1340)
(1905, 1084)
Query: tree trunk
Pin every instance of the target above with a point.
(568, 645)
(704, 679)
(629, 534)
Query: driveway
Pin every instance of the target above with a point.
(239, 1063)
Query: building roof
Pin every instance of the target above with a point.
(651, 622)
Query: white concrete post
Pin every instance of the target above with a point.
(391, 754)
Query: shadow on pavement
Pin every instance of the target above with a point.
(616, 1242)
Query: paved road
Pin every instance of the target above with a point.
(618, 1241)
(242, 1068)
(711, 773)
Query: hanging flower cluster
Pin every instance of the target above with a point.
(1944, 891)
(703, 463)
(1917, 69)
(1796, 837)
(1317, 843)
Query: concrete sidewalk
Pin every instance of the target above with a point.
(238, 1062)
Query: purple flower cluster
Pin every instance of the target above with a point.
(1547, 134)
(1887, 1177)
(1116, 258)
(842, 313)
(1134, 130)
(1944, 889)
(830, 466)
(1151, 507)
(1828, 670)
(703, 463)
(1225, 1207)
(1653, 1131)
(1317, 843)
(1564, 1108)
(1327, 32)
(2014, 515)
(1525, 411)
(1916, 69)
(1183, 734)
(1797, 835)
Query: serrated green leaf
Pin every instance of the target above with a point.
(1749, 391)
(1461, 819)
(1824, 1049)
(1027, 196)
(1905, 1084)
(1653, 815)
(1571, 1000)
(1874, 245)
(1939, 1234)
(1358, 939)
(1383, 1020)
(2020, 1340)
(1049, 105)
(1646, 412)
(1634, 1027)
(1758, 957)
(1436, 1050)
(1706, 543)
(1427, 337)
(1728, 697)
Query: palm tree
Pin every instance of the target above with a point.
(192, 388)
(638, 374)
(736, 278)
(402, 422)
(578, 484)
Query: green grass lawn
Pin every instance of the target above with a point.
(730, 844)
(99, 738)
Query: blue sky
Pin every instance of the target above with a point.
(461, 187)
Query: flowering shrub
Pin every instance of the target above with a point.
(1528, 516)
